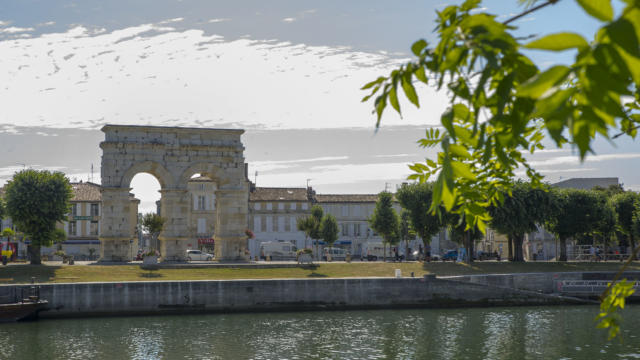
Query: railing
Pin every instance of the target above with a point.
(591, 287)
(21, 295)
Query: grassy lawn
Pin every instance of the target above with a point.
(86, 273)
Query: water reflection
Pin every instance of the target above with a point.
(496, 333)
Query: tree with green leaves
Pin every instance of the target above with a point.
(503, 106)
(8, 233)
(625, 205)
(384, 220)
(416, 200)
(405, 230)
(36, 200)
(520, 213)
(329, 229)
(579, 212)
(310, 225)
(153, 224)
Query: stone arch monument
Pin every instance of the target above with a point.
(173, 155)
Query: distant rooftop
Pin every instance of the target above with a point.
(278, 194)
(86, 191)
(346, 198)
(586, 183)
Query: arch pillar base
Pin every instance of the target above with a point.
(173, 249)
(115, 249)
(231, 249)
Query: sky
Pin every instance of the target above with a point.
(288, 72)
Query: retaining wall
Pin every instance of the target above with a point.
(159, 297)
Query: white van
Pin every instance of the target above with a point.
(337, 254)
(372, 251)
(277, 250)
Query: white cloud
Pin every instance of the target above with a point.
(48, 23)
(13, 30)
(575, 160)
(4, 23)
(289, 19)
(152, 74)
(218, 20)
(168, 21)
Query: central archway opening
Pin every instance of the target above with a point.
(202, 193)
(146, 189)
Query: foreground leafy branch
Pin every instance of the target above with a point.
(502, 106)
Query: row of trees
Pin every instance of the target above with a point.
(586, 216)
(319, 226)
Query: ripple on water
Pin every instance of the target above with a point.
(493, 333)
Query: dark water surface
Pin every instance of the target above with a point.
(488, 333)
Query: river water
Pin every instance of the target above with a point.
(481, 333)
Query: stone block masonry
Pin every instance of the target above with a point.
(164, 297)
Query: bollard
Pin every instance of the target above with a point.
(398, 273)
(412, 274)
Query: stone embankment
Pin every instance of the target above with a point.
(163, 297)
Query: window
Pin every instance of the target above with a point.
(93, 229)
(201, 202)
(345, 229)
(293, 224)
(292, 206)
(280, 224)
(201, 186)
(287, 225)
(256, 206)
(345, 210)
(263, 226)
(269, 206)
(72, 228)
(304, 206)
(269, 221)
(202, 226)
(257, 224)
(94, 210)
(74, 209)
(212, 206)
(280, 206)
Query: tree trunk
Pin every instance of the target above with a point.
(518, 255)
(632, 242)
(471, 249)
(384, 252)
(563, 249)
(406, 250)
(34, 254)
(468, 258)
(510, 246)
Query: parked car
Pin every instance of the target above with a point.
(372, 251)
(278, 250)
(484, 255)
(450, 255)
(198, 255)
(336, 254)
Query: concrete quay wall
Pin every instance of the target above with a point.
(164, 297)
(539, 282)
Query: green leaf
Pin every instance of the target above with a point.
(409, 90)
(418, 46)
(541, 83)
(462, 170)
(599, 9)
(421, 75)
(558, 42)
(393, 99)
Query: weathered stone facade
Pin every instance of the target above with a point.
(173, 155)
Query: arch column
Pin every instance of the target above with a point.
(174, 207)
(116, 230)
(231, 223)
